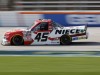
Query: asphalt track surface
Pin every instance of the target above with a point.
(90, 44)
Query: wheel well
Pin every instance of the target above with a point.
(66, 35)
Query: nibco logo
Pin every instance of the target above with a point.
(70, 31)
(83, 19)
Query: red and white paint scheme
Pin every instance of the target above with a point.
(45, 32)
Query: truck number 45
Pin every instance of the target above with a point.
(41, 37)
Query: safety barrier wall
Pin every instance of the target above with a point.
(68, 18)
(51, 53)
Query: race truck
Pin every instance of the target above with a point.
(45, 32)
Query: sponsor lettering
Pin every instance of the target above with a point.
(72, 31)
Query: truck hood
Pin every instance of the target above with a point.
(16, 30)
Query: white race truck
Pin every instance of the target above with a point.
(45, 32)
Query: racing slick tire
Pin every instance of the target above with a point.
(17, 40)
(65, 40)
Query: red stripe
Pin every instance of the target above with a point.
(59, 12)
(78, 35)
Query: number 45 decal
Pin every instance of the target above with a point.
(41, 37)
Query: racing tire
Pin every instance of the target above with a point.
(65, 40)
(17, 40)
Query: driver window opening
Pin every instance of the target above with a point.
(43, 26)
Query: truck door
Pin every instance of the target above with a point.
(40, 33)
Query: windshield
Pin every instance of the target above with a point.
(29, 27)
(55, 24)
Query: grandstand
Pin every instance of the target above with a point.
(49, 5)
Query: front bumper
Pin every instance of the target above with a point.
(5, 42)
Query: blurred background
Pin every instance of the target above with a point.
(10, 12)
(8, 5)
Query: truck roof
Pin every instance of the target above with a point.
(43, 20)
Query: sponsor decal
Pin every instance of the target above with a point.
(81, 38)
(75, 38)
(27, 35)
(78, 38)
(70, 31)
(54, 42)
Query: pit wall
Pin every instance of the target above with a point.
(68, 18)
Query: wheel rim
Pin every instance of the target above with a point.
(65, 40)
(17, 40)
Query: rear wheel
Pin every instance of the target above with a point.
(17, 40)
(65, 40)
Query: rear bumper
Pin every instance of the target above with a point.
(80, 37)
(87, 34)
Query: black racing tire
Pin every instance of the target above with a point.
(17, 40)
(65, 40)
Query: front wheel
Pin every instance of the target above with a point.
(65, 40)
(17, 40)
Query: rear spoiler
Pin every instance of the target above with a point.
(82, 27)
